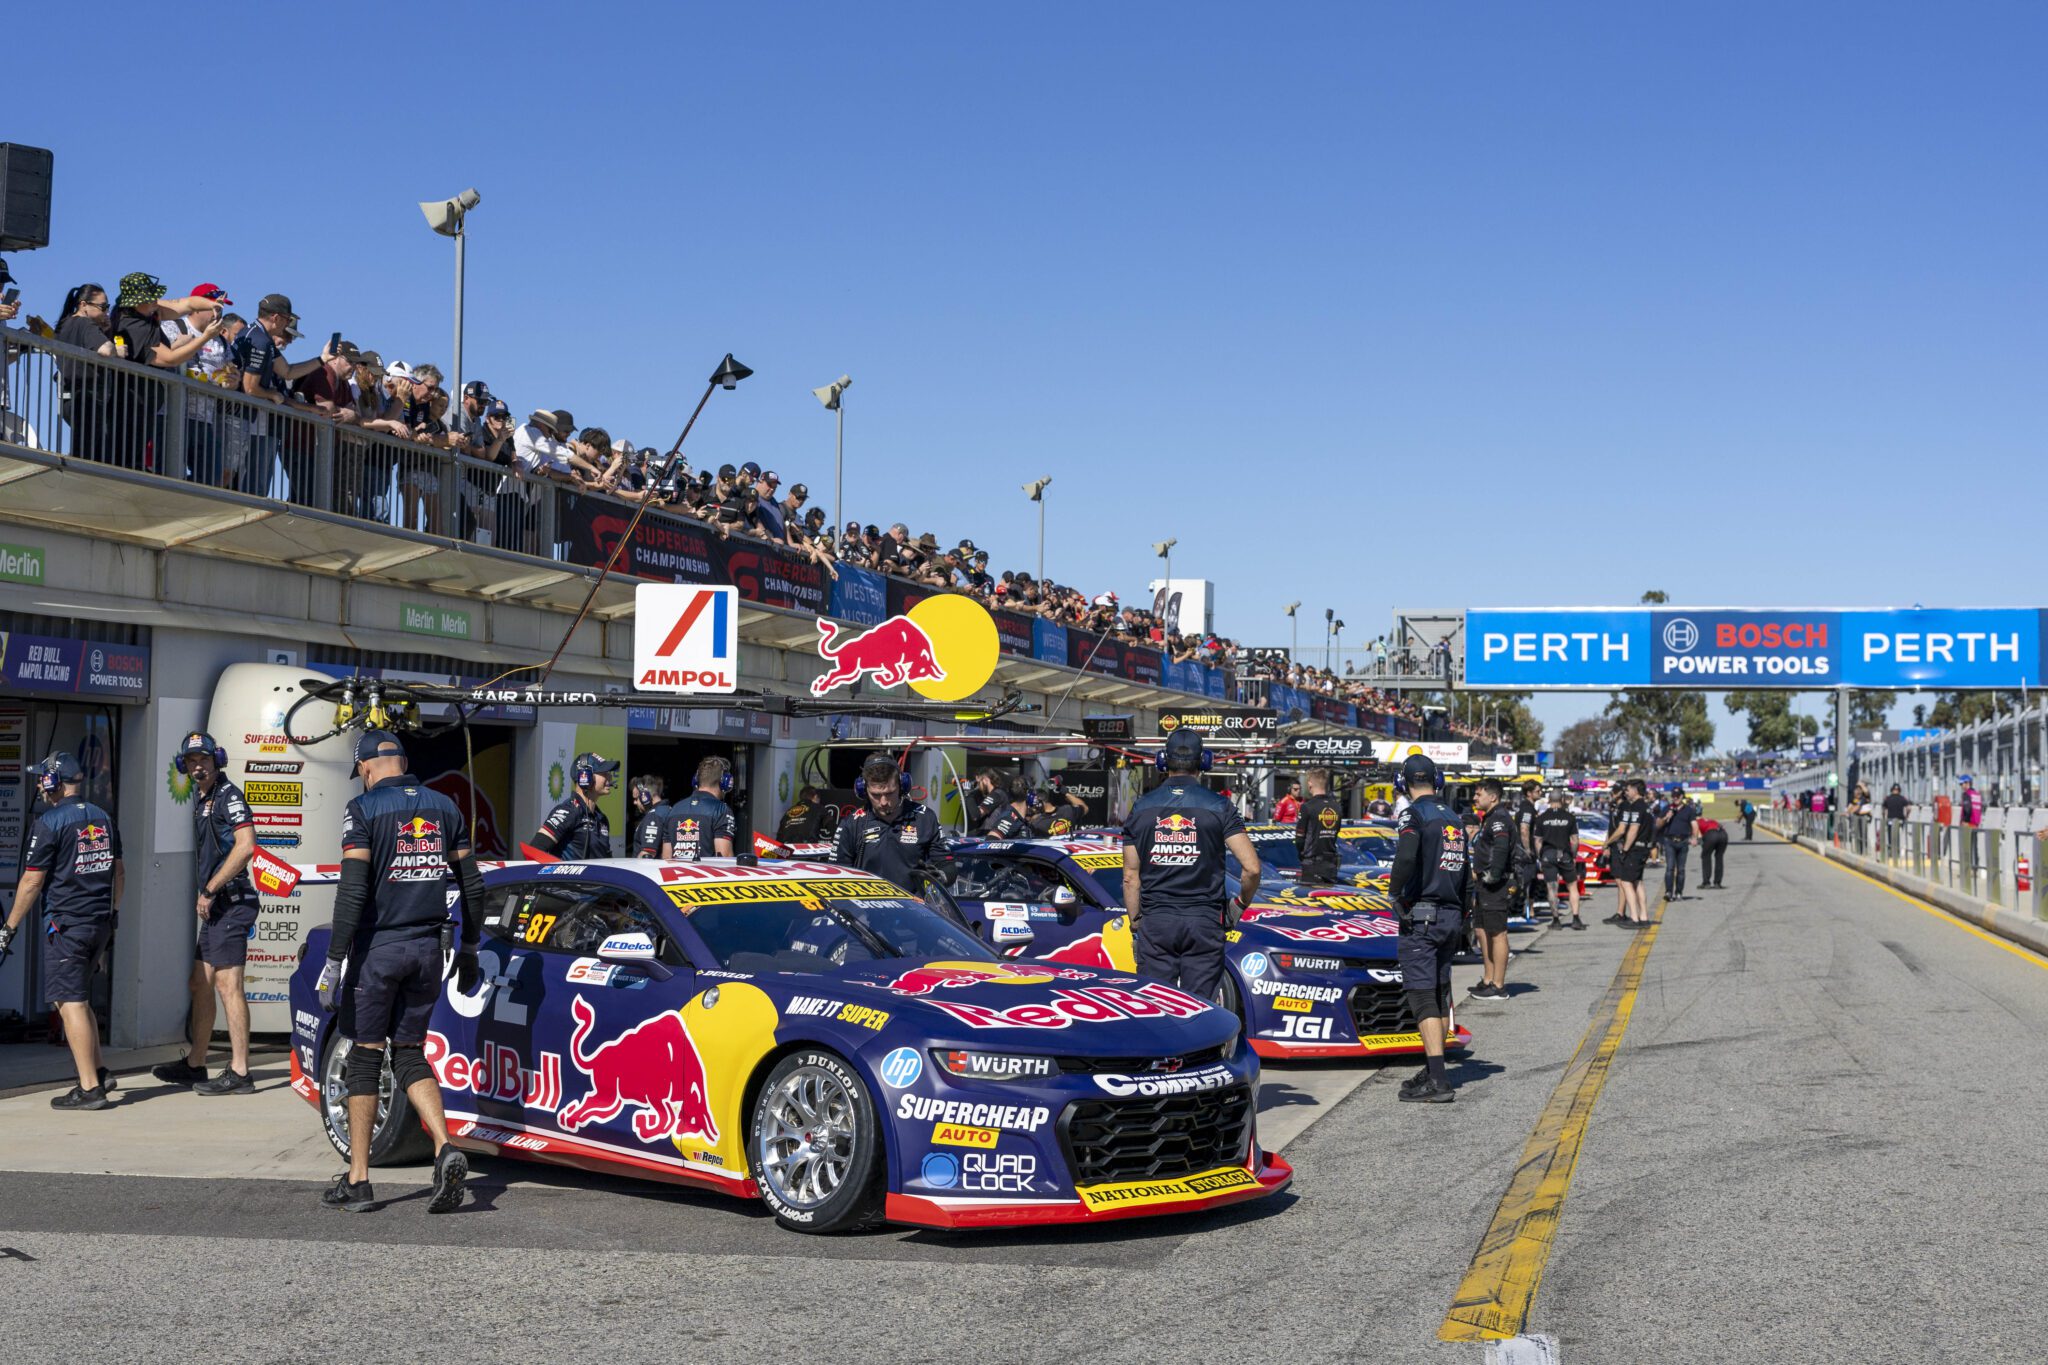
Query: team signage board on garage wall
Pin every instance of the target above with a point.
(1727, 648)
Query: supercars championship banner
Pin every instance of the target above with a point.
(1718, 648)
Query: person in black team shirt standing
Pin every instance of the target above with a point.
(1174, 888)
(1628, 844)
(1315, 830)
(894, 836)
(223, 842)
(802, 821)
(650, 816)
(1428, 883)
(1679, 836)
(701, 826)
(1012, 821)
(73, 865)
(1557, 855)
(576, 830)
(399, 841)
(1494, 891)
(983, 799)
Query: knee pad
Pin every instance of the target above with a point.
(365, 1066)
(1424, 1004)
(409, 1066)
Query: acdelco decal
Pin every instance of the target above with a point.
(275, 793)
(1124, 1193)
(1082, 1004)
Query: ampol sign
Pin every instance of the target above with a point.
(686, 638)
(1720, 647)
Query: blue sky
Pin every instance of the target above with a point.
(1369, 305)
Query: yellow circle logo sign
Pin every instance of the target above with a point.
(944, 648)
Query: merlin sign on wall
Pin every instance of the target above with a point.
(1718, 647)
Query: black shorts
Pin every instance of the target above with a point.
(1557, 865)
(391, 992)
(1491, 919)
(69, 951)
(1425, 949)
(1628, 867)
(224, 936)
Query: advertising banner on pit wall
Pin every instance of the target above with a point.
(1728, 648)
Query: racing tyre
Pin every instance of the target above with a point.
(397, 1138)
(814, 1145)
(1228, 996)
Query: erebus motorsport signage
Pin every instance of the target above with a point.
(686, 638)
(1221, 724)
(1326, 750)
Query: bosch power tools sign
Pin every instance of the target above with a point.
(1735, 648)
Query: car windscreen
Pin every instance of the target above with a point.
(1275, 849)
(807, 930)
(1592, 824)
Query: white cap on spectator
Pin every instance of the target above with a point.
(398, 369)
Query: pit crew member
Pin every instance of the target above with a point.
(1428, 885)
(1315, 831)
(223, 842)
(894, 836)
(1557, 844)
(400, 840)
(701, 825)
(1174, 891)
(1494, 892)
(576, 830)
(650, 815)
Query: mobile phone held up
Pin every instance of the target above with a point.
(11, 296)
(334, 344)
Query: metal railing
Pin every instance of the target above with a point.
(129, 415)
(1998, 867)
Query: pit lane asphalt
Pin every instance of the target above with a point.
(1819, 1142)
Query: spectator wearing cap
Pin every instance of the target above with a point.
(792, 506)
(491, 442)
(259, 354)
(207, 364)
(327, 385)
(425, 417)
(814, 538)
(466, 424)
(768, 513)
(978, 581)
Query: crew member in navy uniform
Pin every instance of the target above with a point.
(576, 830)
(650, 815)
(223, 842)
(1628, 851)
(1012, 821)
(1174, 888)
(701, 826)
(1679, 836)
(1557, 855)
(894, 836)
(73, 865)
(1428, 883)
(1315, 830)
(1492, 884)
(400, 841)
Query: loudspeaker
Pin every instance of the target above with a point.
(24, 196)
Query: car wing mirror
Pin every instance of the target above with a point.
(634, 949)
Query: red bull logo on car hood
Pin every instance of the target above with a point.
(943, 648)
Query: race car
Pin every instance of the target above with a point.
(818, 1039)
(1593, 869)
(1310, 971)
(1280, 859)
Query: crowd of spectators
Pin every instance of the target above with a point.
(200, 334)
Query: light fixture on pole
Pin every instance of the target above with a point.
(1163, 602)
(445, 216)
(1036, 488)
(831, 395)
(1337, 633)
(1294, 629)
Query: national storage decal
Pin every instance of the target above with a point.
(274, 793)
(2000, 647)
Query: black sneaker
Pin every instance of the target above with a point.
(451, 1168)
(229, 1082)
(1615, 919)
(78, 1097)
(349, 1196)
(1578, 923)
(1482, 991)
(1415, 1083)
(180, 1072)
(109, 1081)
(1429, 1092)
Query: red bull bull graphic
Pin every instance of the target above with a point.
(938, 975)
(944, 648)
(654, 1066)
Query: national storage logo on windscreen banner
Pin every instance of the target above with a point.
(1718, 647)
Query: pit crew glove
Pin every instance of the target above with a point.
(464, 970)
(6, 941)
(330, 984)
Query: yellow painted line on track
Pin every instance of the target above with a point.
(1492, 1302)
(2026, 955)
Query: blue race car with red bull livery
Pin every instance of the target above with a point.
(820, 1040)
(1311, 971)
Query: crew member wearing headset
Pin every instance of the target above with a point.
(894, 836)
(223, 842)
(1012, 821)
(701, 825)
(1428, 884)
(576, 830)
(650, 815)
(1175, 891)
(72, 865)
(400, 842)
